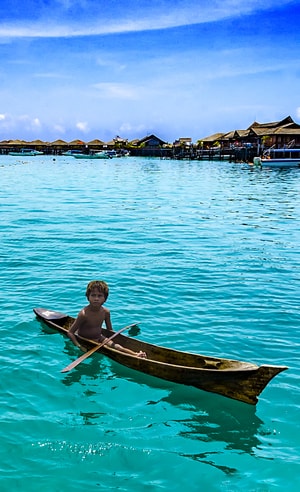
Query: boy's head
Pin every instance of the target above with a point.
(99, 285)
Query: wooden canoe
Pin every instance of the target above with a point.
(234, 379)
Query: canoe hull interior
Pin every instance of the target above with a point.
(231, 378)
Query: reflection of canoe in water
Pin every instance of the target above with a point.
(232, 378)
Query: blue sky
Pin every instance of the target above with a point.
(96, 69)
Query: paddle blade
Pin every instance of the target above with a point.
(134, 330)
(80, 359)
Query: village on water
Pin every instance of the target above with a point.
(236, 145)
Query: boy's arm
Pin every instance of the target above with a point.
(71, 333)
(107, 321)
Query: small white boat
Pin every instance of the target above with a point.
(96, 155)
(71, 152)
(278, 158)
(103, 154)
(25, 152)
(111, 153)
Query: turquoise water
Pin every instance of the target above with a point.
(205, 256)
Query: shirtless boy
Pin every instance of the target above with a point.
(90, 319)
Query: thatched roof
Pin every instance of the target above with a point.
(235, 134)
(274, 124)
(77, 142)
(268, 131)
(96, 141)
(59, 142)
(287, 131)
(285, 126)
(212, 138)
(17, 142)
(261, 131)
(37, 142)
(182, 141)
(151, 140)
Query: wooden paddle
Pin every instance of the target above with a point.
(98, 346)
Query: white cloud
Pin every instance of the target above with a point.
(59, 129)
(28, 122)
(36, 123)
(93, 18)
(102, 62)
(82, 126)
(298, 112)
(112, 90)
(23, 124)
(129, 128)
(51, 75)
(6, 121)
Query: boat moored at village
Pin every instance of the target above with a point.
(94, 155)
(278, 158)
(25, 152)
(242, 381)
(71, 153)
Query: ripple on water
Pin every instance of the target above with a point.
(205, 256)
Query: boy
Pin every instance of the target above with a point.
(90, 319)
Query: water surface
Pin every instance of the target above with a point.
(205, 256)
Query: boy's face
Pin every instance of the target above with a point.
(96, 297)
